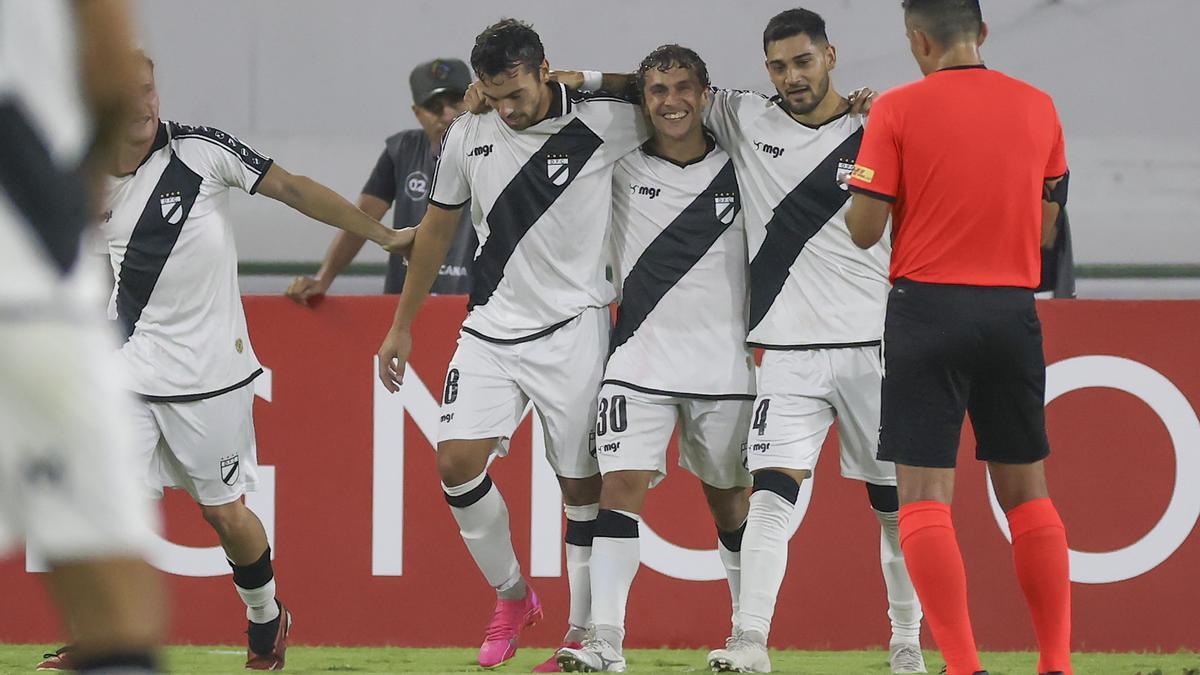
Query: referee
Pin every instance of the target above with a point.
(970, 164)
(401, 180)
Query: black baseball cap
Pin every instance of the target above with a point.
(438, 76)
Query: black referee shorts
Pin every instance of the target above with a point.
(952, 349)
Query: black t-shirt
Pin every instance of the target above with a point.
(402, 176)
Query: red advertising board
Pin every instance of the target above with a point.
(366, 552)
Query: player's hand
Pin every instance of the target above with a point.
(400, 241)
(861, 100)
(476, 104)
(393, 354)
(571, 79)
(306, 290)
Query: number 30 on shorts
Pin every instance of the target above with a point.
(613, 413)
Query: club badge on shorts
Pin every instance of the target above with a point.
(229, 469)
(725, 204)
(558, 168)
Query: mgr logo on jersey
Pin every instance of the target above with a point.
(558, 168)
(229, 469)
(725, 204)
(172, 207)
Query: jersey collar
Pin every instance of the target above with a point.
(560, 104)
(160, 142)
(709, 140)
(972, 66)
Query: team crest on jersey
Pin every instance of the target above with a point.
(845, 168)
(725, 204)
(229, 469)
(558, 168)
(172, 207)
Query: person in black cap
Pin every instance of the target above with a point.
(402, 178)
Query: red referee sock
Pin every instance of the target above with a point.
(1040, 552)
(936, 568)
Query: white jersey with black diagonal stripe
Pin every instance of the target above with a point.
(45, 131)
(810, 284)
(176, 299)
(680, 258)
(540, 200)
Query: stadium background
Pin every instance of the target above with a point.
(318, 85)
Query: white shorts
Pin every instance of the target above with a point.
(489, 384)
(633, 430)
(205, 447)
(800, 393)
(68, 473)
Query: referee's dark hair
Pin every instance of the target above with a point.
(504, 45)
(671, 56)
(792, 22)
(946, 21)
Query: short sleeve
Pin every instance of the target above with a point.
(451, 189)
(382, 181)
(877, 169)
(619, 123)
(1056, 166)
(721, 116)
(221, 156)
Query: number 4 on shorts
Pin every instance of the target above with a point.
(760, 416)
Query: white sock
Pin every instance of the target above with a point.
(581, 522)
(904, 609)
(616, 555)
(482, 518)
(764, 559)
(260, 602)
(732, 561)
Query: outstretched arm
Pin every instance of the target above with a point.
(320, 203)
(345, 246)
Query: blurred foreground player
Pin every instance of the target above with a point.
(678, 352)
(537, 172)
(186, 351)
(970, 164)
(67, 464)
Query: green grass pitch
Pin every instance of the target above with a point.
(371, 661)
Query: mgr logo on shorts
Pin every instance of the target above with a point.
(229, 469)
(558, 168)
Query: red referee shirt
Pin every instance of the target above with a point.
(963, 155)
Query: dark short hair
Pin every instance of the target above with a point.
(947, 21)
(505, 45)
(671, 56)
(793, 22)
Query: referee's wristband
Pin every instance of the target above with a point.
(593, 80)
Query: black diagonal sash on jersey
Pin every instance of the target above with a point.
(675, 251)
(153, 238)
(799, 216)
(528, 195)
(50, 199)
